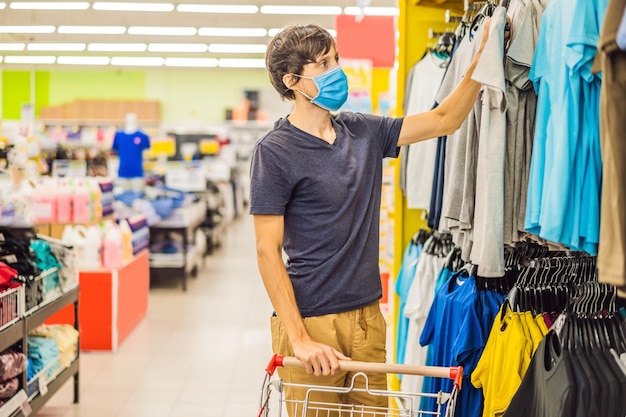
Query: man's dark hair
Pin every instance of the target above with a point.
(291, 49)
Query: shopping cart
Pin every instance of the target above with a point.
(401, 404)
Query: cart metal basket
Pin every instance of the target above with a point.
(401, 404)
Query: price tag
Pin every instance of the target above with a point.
(43, 385)
(22, 398)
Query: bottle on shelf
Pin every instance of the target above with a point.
(112, 247)
(92, 250)
(44, 204)
(127, 241)
(64, 203)
(81, 203)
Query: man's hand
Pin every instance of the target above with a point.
(318, 358)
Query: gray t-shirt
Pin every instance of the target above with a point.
(329, 196)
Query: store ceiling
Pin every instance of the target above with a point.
(206, 47)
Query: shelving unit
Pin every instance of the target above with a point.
(18, 332)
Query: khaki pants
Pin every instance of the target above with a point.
(361, 335)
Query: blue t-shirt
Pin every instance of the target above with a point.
(404, 282)
(453, 332)
(129, 148)
(329, 195)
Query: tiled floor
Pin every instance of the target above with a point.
(201, 353)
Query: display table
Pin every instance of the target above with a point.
(183, 222)
(112, 304)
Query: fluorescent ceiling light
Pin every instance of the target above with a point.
(117, 47)
(304, 10)
(137, 61)
(241, 63)
(26, 29)
(12, 46)
(217, 8)
(132, 7)
(245, 32)
(371, 11)
(92, 30)
(237, 48)
(274, 31)
(83, 60)
(161, 30)
(49, 5)
(29, 59)
(177, 47)
(75, 47)
(190, 62)
(3, 5)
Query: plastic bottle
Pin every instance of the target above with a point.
(112, 248)
(64, 203)
(44, 206)
(92, 248)
(75, 236)
(127, 241)
(95, 193)
(81, 204)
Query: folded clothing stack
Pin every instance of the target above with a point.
(12, 364)
(66, 338)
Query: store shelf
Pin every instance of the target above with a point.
(11, 335)
(38, 316)
(53, 386)
(96, 122)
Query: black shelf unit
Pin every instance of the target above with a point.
(18, 332)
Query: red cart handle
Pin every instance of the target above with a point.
(455, 372)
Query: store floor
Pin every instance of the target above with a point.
(201, 353)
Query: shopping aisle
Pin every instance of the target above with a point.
(200, 353)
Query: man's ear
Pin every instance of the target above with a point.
(290, 80)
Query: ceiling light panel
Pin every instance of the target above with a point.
(218, 8)
(73, 47)
(132, 7)
(12, 46)
(161, 31)
(191, 62)
(237, 32)
(29, 59)
(137, 61)
(241, 63)
(117, 47)
(49, 5)
(2, 5)
(371, 11)
(92, 30)
(83, 60)
(27, 29)
(178, 47)
(302, 10)
(229, 48)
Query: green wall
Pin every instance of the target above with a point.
(187, 96)
(16, 87)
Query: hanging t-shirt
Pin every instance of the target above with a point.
(488, 247)
(456, 308)
(417, 306)
(403, 285)
(503, 363)
(426, 78)
(549, 387)
(129, 148)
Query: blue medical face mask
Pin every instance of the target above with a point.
(332, 89)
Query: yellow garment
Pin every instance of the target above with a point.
(541, 322)
(503, 363)
(536, 334)
(66, 337)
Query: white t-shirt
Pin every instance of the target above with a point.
(425, 81)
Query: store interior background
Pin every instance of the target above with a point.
(196, 98)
